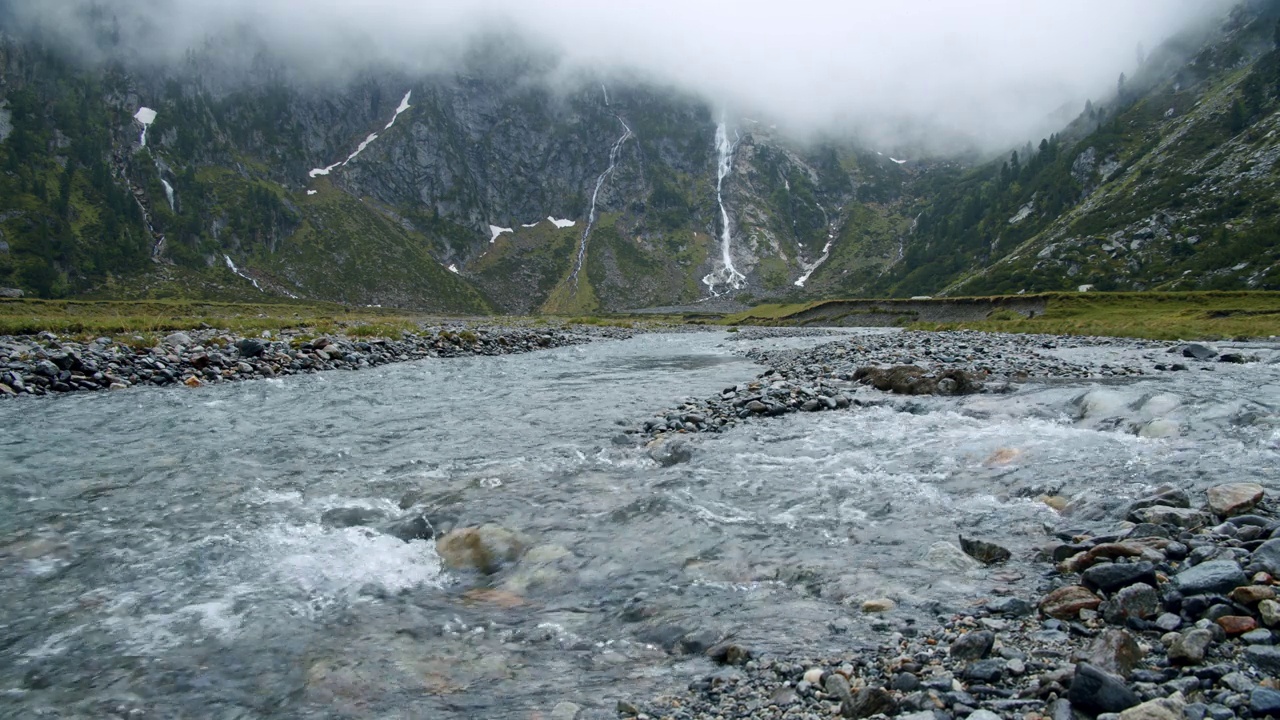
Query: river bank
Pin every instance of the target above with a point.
(48, 363)
(1168, 615)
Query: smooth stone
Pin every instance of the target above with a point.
(1250, 594)
(1169, 622)
(984, 552)
(985, 671)
(879, 605)
(1135, 601)
(947, 556)
(1067, 602)
(487, 548)
(1266, 558)
(1215, 576)
(1237, 624)
(1233, 498)
(870, 701)
(973, 645)
(1264, 657)
(1169, 708)
(1095, 691)
(1190, 647)
(1115, 651)
(1270, 612)
(1110, 577)
(1264, 702)
(566, 711)
(1261, 636)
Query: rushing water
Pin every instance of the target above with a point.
(161, 551)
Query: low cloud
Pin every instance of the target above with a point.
(989, 72)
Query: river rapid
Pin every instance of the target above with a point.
(162, 555)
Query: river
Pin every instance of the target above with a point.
(161, 551)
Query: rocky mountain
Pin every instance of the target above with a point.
(500, 185)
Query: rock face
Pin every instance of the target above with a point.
(487, 549)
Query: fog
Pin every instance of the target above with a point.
(987, 72)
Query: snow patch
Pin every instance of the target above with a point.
(145, 117)
(1084, 288)
(562, 223)
(454, 269)
(312, 192)
(404, 105)
(826, 253)
(900, 162)
(495, 231)
(530, 225)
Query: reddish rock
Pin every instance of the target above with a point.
(1066, 602)
(1237, 624)
(1250, 594)
(1233, 498)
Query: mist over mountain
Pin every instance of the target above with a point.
(919, 74)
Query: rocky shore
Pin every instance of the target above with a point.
(1170, 614)
(50, 364)
(833, 375)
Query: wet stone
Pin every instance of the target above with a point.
(1095, 691)
(973, 645)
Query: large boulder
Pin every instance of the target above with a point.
(487, 548)
(1233, 498)
(1266, 558)
(1096, 691)
(1215, 576)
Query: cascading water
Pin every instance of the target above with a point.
(826, 249)
(232, 266)
(726, 274)
(145, 117)
(591, 217)
(168, 194)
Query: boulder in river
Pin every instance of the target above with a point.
(487, 548)
(983, 551)
(1215, 576)
(670, 452)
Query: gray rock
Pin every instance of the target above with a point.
(1115, 651)
(973, 645)
(178, 338)
(1265, 702)
(1266, 558)
(351, 517)
(1168, 622)
(1199, 351)
(984, 671)
(1264, 657)
(1216, 576)
(1190, 647)
(1135, 601)
(250, 347)
(1095, 691)
(1110, 577)
(870, 701)
(984, 552)
(671, 452)
(46, 368)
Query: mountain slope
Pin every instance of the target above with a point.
(454, 191)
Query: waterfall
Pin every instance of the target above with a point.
(168, 193)
(606, 94)
(236, 270)
(727, 274)
(591, 217)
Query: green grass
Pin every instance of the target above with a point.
(111, 317)
(1154, 316)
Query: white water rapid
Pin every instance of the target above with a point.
(726, 274)
(168, 194)
(591, 217)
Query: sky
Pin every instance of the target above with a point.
(992, 71)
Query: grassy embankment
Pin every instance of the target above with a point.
(112, 317)
(1156, 316)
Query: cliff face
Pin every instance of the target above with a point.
(494, 187)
